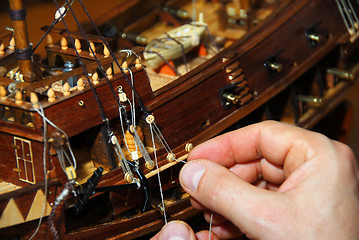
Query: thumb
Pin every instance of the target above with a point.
(253, 210)
(175, 230)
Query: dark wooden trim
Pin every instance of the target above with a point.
(29, 189)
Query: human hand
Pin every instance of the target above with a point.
(275, 181)
(178, 230)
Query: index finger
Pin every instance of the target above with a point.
(280, 144)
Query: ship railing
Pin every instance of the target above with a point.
(7, 42)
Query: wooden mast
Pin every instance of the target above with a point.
(23, 49)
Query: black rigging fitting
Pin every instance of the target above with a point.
(89, 188)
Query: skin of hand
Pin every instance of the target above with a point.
(271, 181)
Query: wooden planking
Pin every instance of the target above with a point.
(7, 187)
(286, 41)
(8, 162)
(58, 113)
(11, 215)
(36, 209)
(193, 112)
(289, 37)
(25, 202)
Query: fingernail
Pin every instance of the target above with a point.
(175, 231)
(191, 174)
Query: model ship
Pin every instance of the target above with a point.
(93, 136)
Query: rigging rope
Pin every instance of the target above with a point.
(126, 169)
(129, 53)
(142, 106)
(57, 19)
(102, 112)
(104, 119)
(133, 101)
(182, 49)
(65, 192)
(122, 128)
(158, 175)
(153, 128)
(73, 161)
(93, 53)
(121, 157)
(45, 177)
(165, 60)
(210, 227)
(146, 156)
(161, 138)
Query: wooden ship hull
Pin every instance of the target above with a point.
(295, 65)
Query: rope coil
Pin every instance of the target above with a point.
(17, 15)
(24, 54)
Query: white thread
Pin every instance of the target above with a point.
(122, 160)
(178, 160)
(133, 108)
(45, 178)
(158, 175)
(73, 163)
(210, 227)
(67, 157)
(133, 100)
(123, 130)
(162, 139)
(128, 51)
(60, 155)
